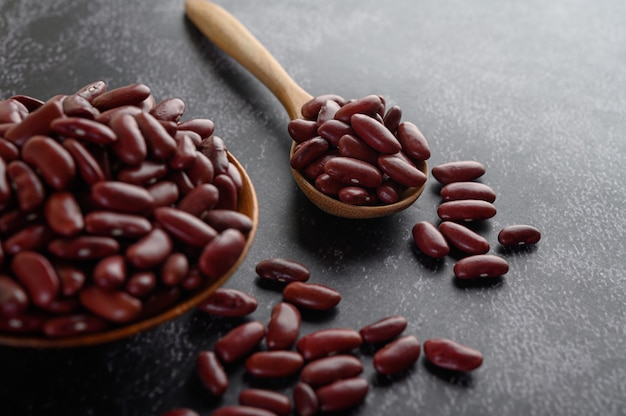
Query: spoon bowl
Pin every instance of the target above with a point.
(227, 33)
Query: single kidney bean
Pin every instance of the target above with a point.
(328, 341)
(27, 186)
(28, 322)
(201, 198)
(401, 171)
(467, 190)
(413, 142)
(368, 105)
(460, 171)
(327, 185)
(185, 154)
(180, 412)
(182, 180)
(170, 109)
(316, 168)
(429, 240)
(222, 219)
(174, 269)
(270, 400)
(342, 394)
(122, 197)
(13, 220)
(392, 118)
(451, 355)
(284, 327)
(54, 163)
(397, 356)
(115, 224)
(311, 296)
(71, 278)
(35, 123)
(8, 151)
(13, 298)
(350, 146)
(29, 102)
(77, 106)
(353, 172)
(193, 280)
(375, 134)
(240, 410)
(159, 300)
(151, 250)
(481, 265)
(141, 283)
(334, 130)
(185, 227)
(221, 253)
(84, 129)
(283, 270)
(87, 167)
(203, 126)
(37, 275)
(126, 95)
(12, 111)
(201, 170)
(217, 154)
(211, 373)
(304, 399)
(72, 325)
(235, 175)
(62, 306)
(463, 238)
(161, 145)
(274, 364)
(114, 306)
(520, 234)
(466, 210)
(311, 108)
(92, 90)
(228, 194)
(144, 174)
(110, 272)
(383, 330)
(389, 192)
(32, 237)
(327, 370)
(306, 152)
(240, 341)
(229, 303)
(83, 247)
(165, 193)
(63, 214)
(356, 195)
(106, 116)
(327, 111)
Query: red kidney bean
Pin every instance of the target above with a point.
(451, 355)
(283, 270)
(73, 325)
(32, 237)
(105, 117)
(92, 90)
(375, 134)
(350, 146)
(13, 298)
(304, 399)
(130, 146)
(8, 151)
(397, 356)
(311, 108)
(36, 123)
(148, 104)
(306, 152)
(174, 269)
(200, 199)
(88, 168)
(28, 188)
(201, 170)
(316, 168)
(429, 240)
(115, 224)
(62, 306)
(460, 171)
(159, 300)
(334, 130)
(22, 324)
(327, 185)
(12, 111)
(229, 303)
(77, 106)
(180, 412)
(151, 250)
(283, 328)
(355, 195)
(383, 330)
(327, 370)
(114, 306)
(368, 105)
(122, 197)
(161, 145)
(302, 130)
(211, 373)
(240, 410)
(270, 400)
(467, 190)
(311, 296)
(185, 154)
(389, 191)
(463, 238)
(413, 142)
(481, 265)
(342, 394)
(236, 177)
(29, 102)
(466, 210)
(327, 111)
(193, 280)
(165, 193)
(63, 214)
(392, 118)
(228, 194)
(141, 283)
(239, 342)
(5, 186)
(170, 109)
(221, 253)
(126, 95)
(83, 247)
(185, 227)
(54, 163)
(84, 129)
(12, 221)
(328, 341)
(71, 279)
(110, 272)
(519, 234)
(353, 172)
(203, 126)
(37, 275)
(274, 364)
(401, 171)
(218, 155)
(222, 219)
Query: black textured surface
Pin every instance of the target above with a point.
(534, 90)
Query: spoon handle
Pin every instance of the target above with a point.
(227, 33)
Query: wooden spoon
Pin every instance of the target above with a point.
(226, 32)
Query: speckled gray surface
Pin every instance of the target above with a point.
(536, 91)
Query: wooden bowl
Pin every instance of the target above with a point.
(248, 205)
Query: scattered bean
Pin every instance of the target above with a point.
(211, 373)
(327, 370)
(328, 341)
(311, 296)
(283, 328)
(384, 329)
(240, 341)
(266, 399)
(513, 235)
(342, 394)
(451, 355)
(274, 364)
(467, 190)
(460, 171)
(429, 240)
(397, 356)
(466, 210)
(463, 238)
(283, 270)
(482, 265)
